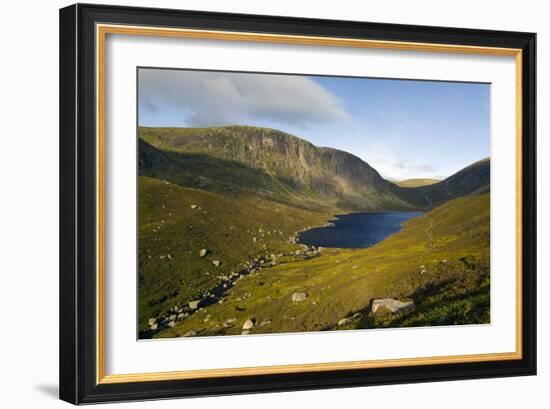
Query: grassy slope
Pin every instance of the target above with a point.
(172, 234)
(440, 260)
(279, 166)
(415, 182)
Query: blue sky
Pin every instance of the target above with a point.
(403, 128)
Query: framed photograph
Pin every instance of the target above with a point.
(257, 203)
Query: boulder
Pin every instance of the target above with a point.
(190, 334)
(344, 321)
(171, 324)
(193, 206)
(393, 305)
(298, 297)
(216, 263)
(245, 332)
(194, 304)
(203, 252)
(154, 327)
(152, 321)
(248, 324)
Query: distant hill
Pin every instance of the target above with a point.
(415, 182)
(282, 167)
(472, 180)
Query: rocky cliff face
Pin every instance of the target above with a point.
(329, 173)
(288, 165)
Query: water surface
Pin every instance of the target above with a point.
(356, 230)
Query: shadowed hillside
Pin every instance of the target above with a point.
(286, 168)
(295, 166)
(472, 180)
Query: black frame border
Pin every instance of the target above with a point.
(78, 197)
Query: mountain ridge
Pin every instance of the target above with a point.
(283, 166)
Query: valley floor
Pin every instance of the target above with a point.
(215, 265)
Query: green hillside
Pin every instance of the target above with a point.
(472, 180)
(440, 261)
(175, 223)
(284, 163)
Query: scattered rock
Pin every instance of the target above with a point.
(347, 320)
(154, 327)
(190, 333)
(216, 263)
(169, 256)
(344, 321)
(248, 324)
(392, 305)
(172, 324)
(193, 206)
(203, 252)
(245, 332)
(298, 297)
(194, 304)
(152, 321)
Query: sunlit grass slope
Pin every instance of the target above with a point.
(415, 182)
(176, 222)
(440, 261)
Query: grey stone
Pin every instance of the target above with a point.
(203, 252)
(248, 324)
(393, 305)
(194, 304)
(298, 297)
(344, 321)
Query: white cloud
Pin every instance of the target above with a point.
(201, 98)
